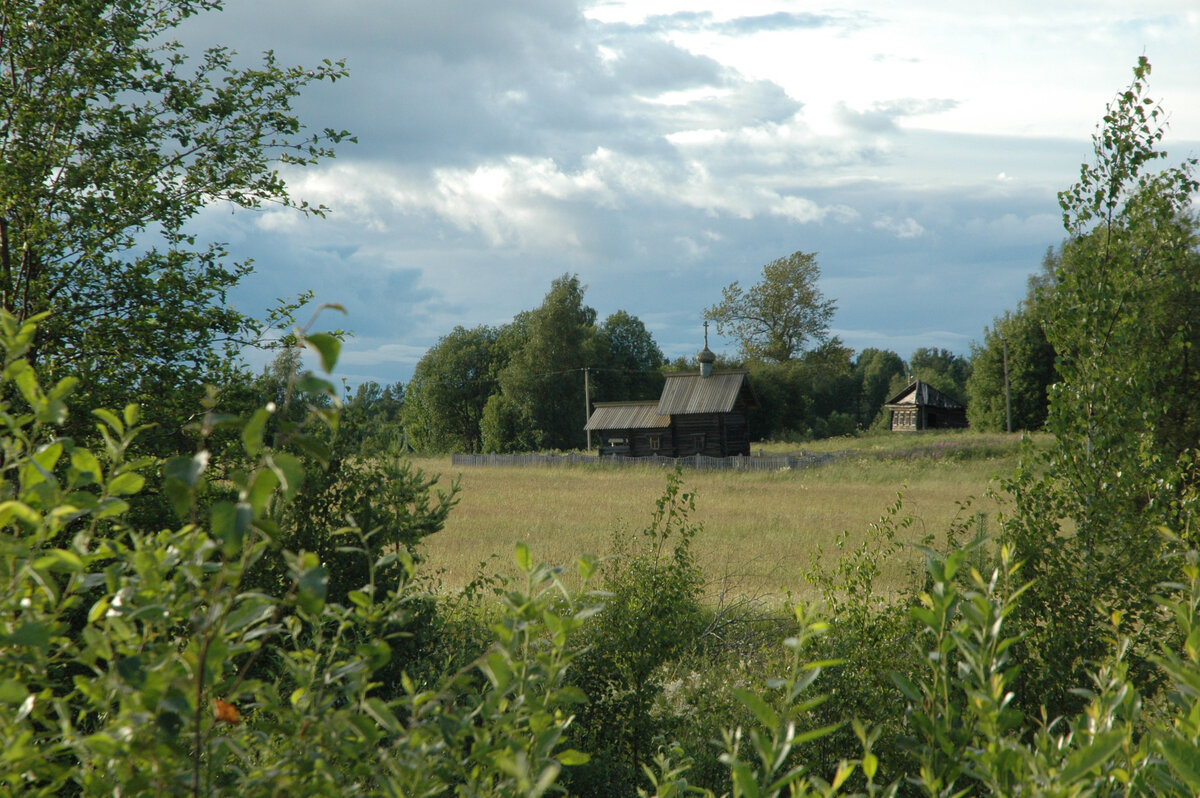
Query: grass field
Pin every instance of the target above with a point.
(760, 529)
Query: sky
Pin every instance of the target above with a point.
(662, 150)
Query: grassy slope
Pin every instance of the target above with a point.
(760, 529)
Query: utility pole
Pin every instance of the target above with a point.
(1007, 396)
(587, 407)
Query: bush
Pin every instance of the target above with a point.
(651, 616)
(132, 659)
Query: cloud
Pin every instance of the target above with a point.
(503, 144)
(775, 22)
(883, 116)
(908, 228)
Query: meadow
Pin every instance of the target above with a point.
(761, 531)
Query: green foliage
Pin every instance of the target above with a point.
(875, 369)
(134, 661)
(941, 368)
(629, 360)
(508, 427)
(112, 138)
(1122, 321)
(1031, 358)
(543, 382)
(651, 616)
(812, 396)
(520, 387)
(784, 405)
(868, 633)
(777, 318)
(450, 388)
(371, 421)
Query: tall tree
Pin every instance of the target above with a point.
(372, 421)
(1125, 323)
(541, 399)
(941, 368)
(875, 369)
(1030, 362)
(777, 318)
(110, 139)
(629, 360)
(450, 388)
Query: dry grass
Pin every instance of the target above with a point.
(760, 530)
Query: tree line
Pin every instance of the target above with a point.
(195, 601)
(521, 386)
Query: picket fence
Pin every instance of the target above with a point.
(699, 461)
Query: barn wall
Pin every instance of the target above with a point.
(640, 442)
(711, 434)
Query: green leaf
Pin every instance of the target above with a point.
(60, 560)
(252, 610)
(312, 586)
(187, 470)
(845, 770)
(1183, 759)
(524, 560)
(383, 715)
(104, 745)
(377, 653)
(909, 689)
(571, 757)
(109, 418)
(744, 781)
(252, 433)
(15, 510)
(759, 708)
(314, 447)
(85, 462)
(131, 671)
(33, 634)
(126, 484)
(312, 384)
(290, 471)
(12, 692)
(327, 347)
(261, 490)
(1102, 748)
(111, 507)
(22, 374)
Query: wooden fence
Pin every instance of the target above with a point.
(698, 461)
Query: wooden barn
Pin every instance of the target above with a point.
(708, 412)
(702, 412)
(921, 406)
(631, 429)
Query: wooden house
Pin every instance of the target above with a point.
(708, 413)
(631, 429)
(921, 406)
(702, 412)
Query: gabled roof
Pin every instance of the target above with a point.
(925, 395)
(690, 393)
(627, 415)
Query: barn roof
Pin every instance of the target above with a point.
(627, 415)
(691, 393)
(925, 395)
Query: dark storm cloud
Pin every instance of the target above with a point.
(504, 144)
(459, 81)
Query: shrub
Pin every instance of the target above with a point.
(131, 657)
(651, 616)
